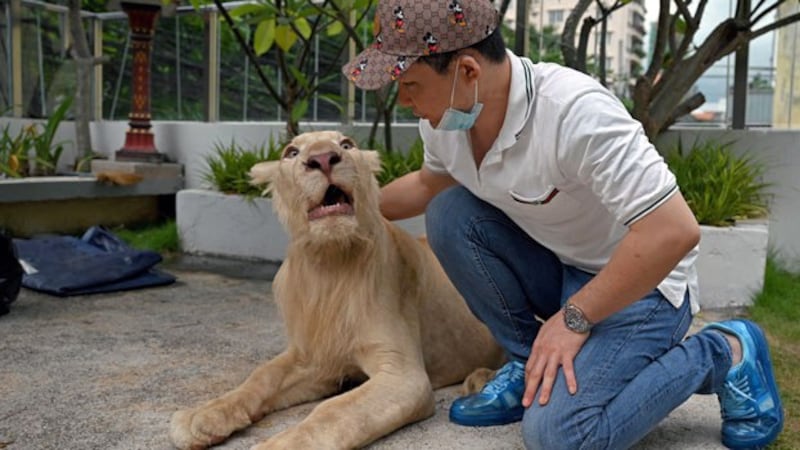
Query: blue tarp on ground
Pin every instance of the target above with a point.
(97, 262)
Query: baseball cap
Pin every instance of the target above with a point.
(404, 30)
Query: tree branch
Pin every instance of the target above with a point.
(684, 11)
(583, 44)
(775, 25)
(250, 54)
(685, 107)
(760, 4)
(568, 36)
(661, 41)
(504, 8)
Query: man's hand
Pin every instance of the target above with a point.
(555, 346)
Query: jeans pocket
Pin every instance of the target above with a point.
(685, 321)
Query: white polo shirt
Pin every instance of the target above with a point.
(570, 167)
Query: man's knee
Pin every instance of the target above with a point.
(551, 428)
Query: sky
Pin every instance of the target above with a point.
(713, 83)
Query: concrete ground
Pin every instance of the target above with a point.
(107, 371)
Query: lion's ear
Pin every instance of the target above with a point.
(373, 159)
(263, 173)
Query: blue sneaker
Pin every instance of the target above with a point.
(498, 403)
(752, 415)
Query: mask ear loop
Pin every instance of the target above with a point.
(453, 88)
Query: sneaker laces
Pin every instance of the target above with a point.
(736, 398)
(510, 373)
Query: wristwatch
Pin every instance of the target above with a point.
(575, 319)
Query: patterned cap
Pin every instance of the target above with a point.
(407, 29)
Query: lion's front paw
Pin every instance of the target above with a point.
(199, 428)
(292, 439)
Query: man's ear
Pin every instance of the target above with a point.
(263, 173)
(373, 160)
(470, 66)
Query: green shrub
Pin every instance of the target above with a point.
(47, 153)
(36, 141)
(162, 238)
(229, 165)
(396, 164)
(719, 186)
(14, 152)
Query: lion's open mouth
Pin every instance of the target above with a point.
(335, 203)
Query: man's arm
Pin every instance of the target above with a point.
(653, 246)
(409, 195)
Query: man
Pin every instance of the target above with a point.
(566, 234)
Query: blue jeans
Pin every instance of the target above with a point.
(633, 370)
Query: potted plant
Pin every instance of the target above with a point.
(729, 198)
(232, 219)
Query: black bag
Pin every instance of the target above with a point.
(10, 274)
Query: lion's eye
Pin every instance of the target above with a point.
(291, 152)
(347, 144)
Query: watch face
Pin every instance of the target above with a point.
(575, 320)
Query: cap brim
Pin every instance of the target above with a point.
(373, 69)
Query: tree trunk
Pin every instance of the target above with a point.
(84, 62)
(603, 31)
(568, 36)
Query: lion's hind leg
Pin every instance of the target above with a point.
(476, 380)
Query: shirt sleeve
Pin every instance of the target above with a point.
(601, 146)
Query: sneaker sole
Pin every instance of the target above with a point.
(486, 420)
(762, 349)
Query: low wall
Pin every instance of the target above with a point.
(189, 143)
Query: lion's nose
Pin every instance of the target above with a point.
(323, 161)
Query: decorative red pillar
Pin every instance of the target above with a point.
(139, 140)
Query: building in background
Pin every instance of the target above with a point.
(786, 106)
(625, 35)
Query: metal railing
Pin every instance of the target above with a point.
(198, 72)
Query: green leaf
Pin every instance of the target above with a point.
(299, 76)
(265, 36)
(244, 10)
(303, 27)
(285, 37)
(333, 99)
(334, 28)
(680, 26)
(299, 110)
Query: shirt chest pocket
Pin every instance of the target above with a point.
(538, 197)
(543, 202)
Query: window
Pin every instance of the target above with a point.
(555, 16)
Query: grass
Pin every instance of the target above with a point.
(162, 238)
(777, 310)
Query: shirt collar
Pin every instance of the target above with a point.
(520, 101)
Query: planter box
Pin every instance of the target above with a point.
(71, 204)
(731, 264)
(213, 223)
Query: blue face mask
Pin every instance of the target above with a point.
(453, 119)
